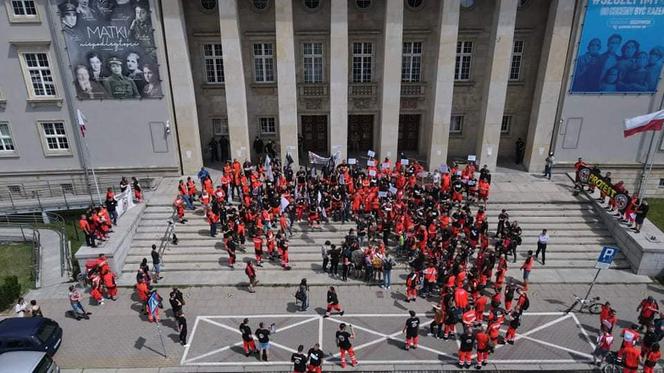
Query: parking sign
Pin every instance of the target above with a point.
(606, 257)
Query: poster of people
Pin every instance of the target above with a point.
(111, 48)
(621, 49)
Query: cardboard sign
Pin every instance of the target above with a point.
(443, 168)
(382, 194)
(393, 190)
(352, 161)
(405, 162)
(371, 153)
(472, 158)
(385, 165)
(372, 172)
(371, 163)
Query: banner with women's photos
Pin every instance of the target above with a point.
(111, 48)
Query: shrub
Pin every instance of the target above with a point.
(10, 290)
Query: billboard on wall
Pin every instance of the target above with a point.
(621, 49)
(111, 48)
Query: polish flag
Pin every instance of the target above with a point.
(82, 120)
(648, 122)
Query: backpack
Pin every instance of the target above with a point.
(387, 264)
(526, 304)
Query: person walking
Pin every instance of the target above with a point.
(156, 263)
(182, 327)
(302, 295)
(343, 339)
(176, 299)
(75, 302)
(333, 303)
(527, 266)
(411, 330)
(299, 360)
(542, 240)
(250, 271)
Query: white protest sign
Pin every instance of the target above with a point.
(371, 153)
(472, 158)
(352, 161)
(405, 162)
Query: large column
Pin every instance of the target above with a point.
(444, 84)
(182, 83)
(391, 91)
(236, 92)
(549, 81)
(493, 101)
(286, 82)
(339, 77)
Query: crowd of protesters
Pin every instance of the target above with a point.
(632, 214)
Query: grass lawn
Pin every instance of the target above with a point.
(16, 259)
(656, 212)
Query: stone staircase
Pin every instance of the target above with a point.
(576, 240)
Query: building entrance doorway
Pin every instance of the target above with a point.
(360, 133)
(409, 132)
(314, 134)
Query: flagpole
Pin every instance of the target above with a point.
(647, 167)
(162, 340)
(82, 120)
(94, 176)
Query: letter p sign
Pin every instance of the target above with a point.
(606, 257)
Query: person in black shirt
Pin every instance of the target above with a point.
(641, 213)
(315, 356)
(299, 360)
(247, 340)
(333, 303)
(467, 341)
(263, 336)
(182, 327)
(156, 262)
(343, 341)
(176, 299)
(411, 329)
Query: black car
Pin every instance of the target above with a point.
(30, 334)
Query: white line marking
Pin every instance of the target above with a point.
(357, 327)
(191, 339)
(405, 314)
(583, 330)
(213, 352)
(237, 331)
(255, 316)
(320, 332)
(382, 362)
(558, 347)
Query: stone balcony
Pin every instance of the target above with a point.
(313, 90)
(415, 89)
(362, 89)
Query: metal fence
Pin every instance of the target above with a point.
(36, 258)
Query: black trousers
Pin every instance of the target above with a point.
(90, 239)
(334, 265)
(183, 335)
(325, 261)
(541, 247)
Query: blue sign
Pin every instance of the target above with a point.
(606, 257)
(153, 303)
(621, 49)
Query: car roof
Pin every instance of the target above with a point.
(21, 361)
(20, 326)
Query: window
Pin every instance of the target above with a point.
(214, 63)
(413, 4)
(220, 126)
(24, 8)
(506, 125)
(39, 73)
(411, 62)
(264, 62)
(312, 4)
(456, 124)
(267, 126)
(362, 53)
(517, 58)
(313, 62)
(55, 138)
(363, 4)
(464, 54)
(661, 183)
(6, 142)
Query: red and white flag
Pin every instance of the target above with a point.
(82, 121)
(648, 122)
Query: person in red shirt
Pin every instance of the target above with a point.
(411, 286)
(482, 344)
(109, 282)
(648, 308)
(651, 359)
(514, 323)
(527, 266)
(179, 207)
(84, 225)
(631, 356)
(630, 337)
(480, 307)
(461, 298)
(258, 249)
(250, 271)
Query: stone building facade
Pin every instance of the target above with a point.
(438, 80)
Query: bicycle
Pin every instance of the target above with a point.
(592, 305)
(611, 363)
